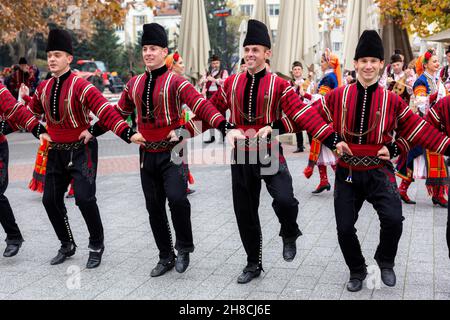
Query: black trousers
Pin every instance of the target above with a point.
(377, 186)
(246, 184)
(163, 180)
(7, 220)
(81, 166)
(300, 143)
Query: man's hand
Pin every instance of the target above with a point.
(173, 136)
(233, 135)
(264, 132)
(138, 138)
(44, 137)
(383, 154)
(23, 91)
(212, 79)
(86, 136)
(342, 147)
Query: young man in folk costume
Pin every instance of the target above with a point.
(303, 88)
(23, 74)
(429, 89)
(256, 100)
(320, 155)
(13, 114)
(211, 82)
(66, 101)
(367, 116)
(401, 82)
(158, 96)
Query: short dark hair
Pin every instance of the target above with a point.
(268, 61)
(297, 64)
(214, 57)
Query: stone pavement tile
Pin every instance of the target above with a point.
(41, 293)
(115, 293)
(230, 269)
(273, 285)
(417, 292)
(239, 257)
(218, 281)
(442, 280)
(263, 296)
(442, 296)
(327, 243)
(123, 281)
(204, 293)
(423, 279)
(238, 291)
(386, 293)
(195, 274)
(322, 251)
(315, 260)
(302, 282)
(311, 271)
(210, 263)
(422, 257)
(420, 267)
(333, 277)
(13, 284)
(180, 289)
(281, 273)
(327, 292)
(364, 294)
(145, 292)
(233, 295)
(295, 294)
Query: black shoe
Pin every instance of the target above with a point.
(440, 202)
(355, 283)
(162, 267)
(95, 258)
(182, 262)
(12, 249)
(190, 191)
(289, 251)
(212, 140)
(388, 277)
(321, 189)
(63, 254)
(248, 275)
(299, 150)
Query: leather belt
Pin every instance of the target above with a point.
(158, 145)
(361, 161)
(66, 146)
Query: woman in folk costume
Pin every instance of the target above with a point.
(174, 63)
(319, 154)
(428, 90)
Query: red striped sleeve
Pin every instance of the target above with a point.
(16, 112)
(97, 103)
(202, 108)
(416, 130)
(306, 117)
